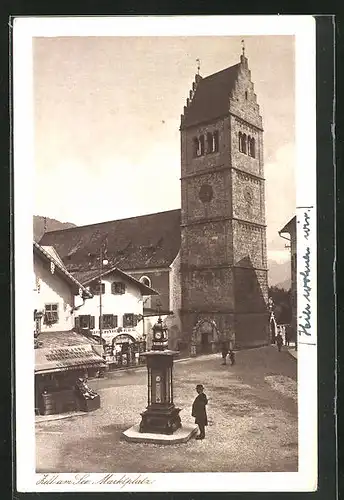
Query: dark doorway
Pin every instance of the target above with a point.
(205, 344)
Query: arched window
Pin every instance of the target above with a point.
(147, 299)
(195, 147)
(252, 147)
(216, 141)
(244, 143)
(146, 281)
(240, 141)
(210, 148)
(202, 144)
(249, 145)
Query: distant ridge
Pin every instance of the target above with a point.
(52, 225)
(286, 285)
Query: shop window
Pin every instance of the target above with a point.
(95, 288)
(109, 321)
(129, 320)
(51, 314)
(118, 288)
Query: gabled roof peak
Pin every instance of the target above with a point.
(209, 96)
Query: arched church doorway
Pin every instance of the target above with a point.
(205, 336)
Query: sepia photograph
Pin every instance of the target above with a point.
(168, 253)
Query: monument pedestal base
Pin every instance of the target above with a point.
(160, 420)
(182, 435)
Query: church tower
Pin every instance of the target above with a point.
(223, 233)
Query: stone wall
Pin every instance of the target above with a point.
(251, 330)
(206, 290)
(249, 245)
(193, 208)
(248, 198)
(208, 244)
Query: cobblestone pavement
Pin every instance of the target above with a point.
(252, 414)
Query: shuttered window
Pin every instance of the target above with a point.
(109, 321)
(129, 320)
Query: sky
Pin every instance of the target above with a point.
(107, 116)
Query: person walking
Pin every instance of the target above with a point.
(199, 411)
(224, 352)
(279, 341)
(287, 335)
(231, 357)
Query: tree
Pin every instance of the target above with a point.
(282, 304)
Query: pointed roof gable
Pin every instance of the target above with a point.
(210, 99)
(138, 242)
(289, 227)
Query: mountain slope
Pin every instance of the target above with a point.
(51, 225)
(279, 274)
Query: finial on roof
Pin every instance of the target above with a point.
(198, 65)
(243, 58)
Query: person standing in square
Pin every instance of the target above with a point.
(224, 352)
(199, 411)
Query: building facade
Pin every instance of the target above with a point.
(114, 315)
(61, 354)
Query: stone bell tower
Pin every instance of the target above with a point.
(223, 232)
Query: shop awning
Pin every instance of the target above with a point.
(67, 358)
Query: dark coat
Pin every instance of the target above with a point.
(198, 409)
(279, 339)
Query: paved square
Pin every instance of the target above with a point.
(252, 415)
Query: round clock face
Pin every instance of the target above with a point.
(206, 193)
(158, 335)
(248, 195)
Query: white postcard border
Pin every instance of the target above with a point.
(303, 27)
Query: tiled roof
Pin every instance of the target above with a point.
(85, 277)
(138, 242)
(54, 254)
(211, 97)
(54, 339)
(290, 226)
(74, 357)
